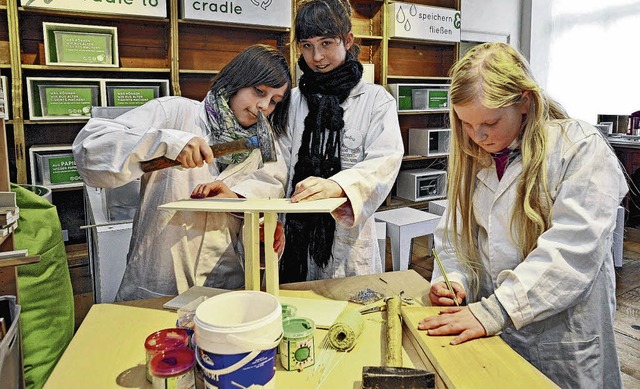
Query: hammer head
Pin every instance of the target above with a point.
(265, 139)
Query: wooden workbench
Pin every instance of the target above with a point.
(108, 352)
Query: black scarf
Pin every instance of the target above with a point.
(311, 234)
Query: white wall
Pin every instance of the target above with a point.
(585, 54)
(487, 20)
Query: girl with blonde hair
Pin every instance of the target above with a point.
(527, 236)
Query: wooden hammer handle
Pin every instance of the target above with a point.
(219, 150)
(157, 164)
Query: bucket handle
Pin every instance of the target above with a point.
(240, 364)
(241, 342)
(228, 369)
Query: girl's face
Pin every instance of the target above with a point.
(493, 129)
(323, 54)
(246, 103)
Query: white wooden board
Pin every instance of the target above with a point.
(255, 205)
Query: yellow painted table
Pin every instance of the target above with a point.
(108, 349)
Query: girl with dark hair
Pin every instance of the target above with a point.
(343, 141)
(171, 251)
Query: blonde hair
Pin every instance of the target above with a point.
(497, 75)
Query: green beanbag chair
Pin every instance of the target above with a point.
(44, 288)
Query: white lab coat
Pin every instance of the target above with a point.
(560, 300)
(371, 155)
(171, 251)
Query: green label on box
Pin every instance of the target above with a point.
(78, 47)
(404, 97)
(68, 101)
(438, 99)
(131, 97)
(63, 170)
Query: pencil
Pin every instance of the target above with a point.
(444, 275)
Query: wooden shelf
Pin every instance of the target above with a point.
(433, 112)
(419, 78)
(95, 69)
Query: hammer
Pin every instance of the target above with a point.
(392, 375)
(263, 140)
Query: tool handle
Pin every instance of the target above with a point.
(219, 150)
(235, 146)
(158, 163)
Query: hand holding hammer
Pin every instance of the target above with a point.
(197, 151)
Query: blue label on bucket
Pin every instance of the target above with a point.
(258, 371)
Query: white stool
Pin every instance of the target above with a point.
(404, 224)
(437, 207)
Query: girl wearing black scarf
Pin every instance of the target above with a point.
(345, 141)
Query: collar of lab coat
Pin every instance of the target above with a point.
(489, 177)
(355, 92)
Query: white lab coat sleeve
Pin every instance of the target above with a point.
(108, 152)
(559, 273)
(368, 182)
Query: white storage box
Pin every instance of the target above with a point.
(430, 142)
(421, 184)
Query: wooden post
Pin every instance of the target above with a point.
(251, 250)
(270, 256)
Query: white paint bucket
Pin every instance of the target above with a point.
(236, 336)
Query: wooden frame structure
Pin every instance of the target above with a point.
(252, 208)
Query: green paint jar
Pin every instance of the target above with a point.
(297, 349)
(288, 311)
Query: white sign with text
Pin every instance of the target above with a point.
(274, 13)
(148, 8)
(417, 21)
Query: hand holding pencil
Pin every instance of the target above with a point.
(445, 293)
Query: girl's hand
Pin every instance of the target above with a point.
(316, 188)
(278, 237)
(454, 321)
(213, 189)
(440, 294)
(195, 153)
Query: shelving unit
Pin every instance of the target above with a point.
(189, 54)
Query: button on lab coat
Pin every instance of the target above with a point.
(561, 298)
(171, 251)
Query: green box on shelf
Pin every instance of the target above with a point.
(405, 101)
(68, 100)
(83, 47)
(438, 98)
(57, 168)
(131, 96)
(80, 45)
